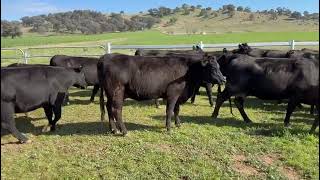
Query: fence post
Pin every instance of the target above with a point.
(201, 45)
(25, 56)
(292, 44)
(109, 48)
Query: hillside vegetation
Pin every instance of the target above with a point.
(240, 22)
(181, 20)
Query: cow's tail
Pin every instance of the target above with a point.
(101, 86)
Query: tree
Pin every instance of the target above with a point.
(231, 13)
(202, 12)
(199, 6)
(192, 8)
(274, 16)
(296, 15)
(10, 29)
(185, 6)
(239, 8)
(251, 17)
(280, 10)
(306, 14)
(247, 9)
(177, 9)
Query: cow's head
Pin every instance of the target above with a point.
(212, 73)
(80, 80)
(243, 48)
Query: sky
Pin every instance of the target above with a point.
(15, 9)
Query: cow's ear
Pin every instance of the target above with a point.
(239, 46)
(224, 50)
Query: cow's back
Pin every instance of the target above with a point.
(144, 77)
(30, 87)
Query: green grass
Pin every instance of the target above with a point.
(203, 148)
(155, 37)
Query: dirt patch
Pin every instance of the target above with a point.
(270, 159)
(289, 172)
(161, 147)
(240, 165)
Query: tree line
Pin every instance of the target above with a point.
(92, 22)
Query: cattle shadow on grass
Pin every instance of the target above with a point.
(25, 125)
(259, 129)
(82, 93)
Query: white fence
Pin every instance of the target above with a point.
(25, 55)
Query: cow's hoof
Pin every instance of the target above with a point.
(46, 128)
(114, 131)
(287, 125)
(53, 128)
(248, 121)
(214, 115)
(26, 141)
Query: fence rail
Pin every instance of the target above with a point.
(25, 52)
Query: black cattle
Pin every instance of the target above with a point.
(65, 100)
(154, 52)
(89, 67)
(246, 49)
(304, 53)
(25, 89)
(256, 52)
(184, 53)
(272, 79)
(143, 78)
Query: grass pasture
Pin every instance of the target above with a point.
(158, 38)
(203, 148)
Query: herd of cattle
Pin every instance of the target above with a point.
(172, 75)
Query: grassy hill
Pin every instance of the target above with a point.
(240, 22)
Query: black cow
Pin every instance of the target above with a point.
(155, 52)
(256, 52)
(272, 79)
(25, 89)
(65, 100)
(143, 78)
(195, 52)
(89, 67)
(304, 53)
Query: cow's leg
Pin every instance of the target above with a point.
(8, 122)
(219, 89)
(112, 125)
(196, 91)
(49, 113)
(94, 92)
(209, 93)
(223, 96)
(156, 101)
(312, 109)
(117, 103)
(57, 110)
(171, 102)
(239, 103)
(66, 99)
(57, 116)
(316, 121)
(176, 115)
(293, 102)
